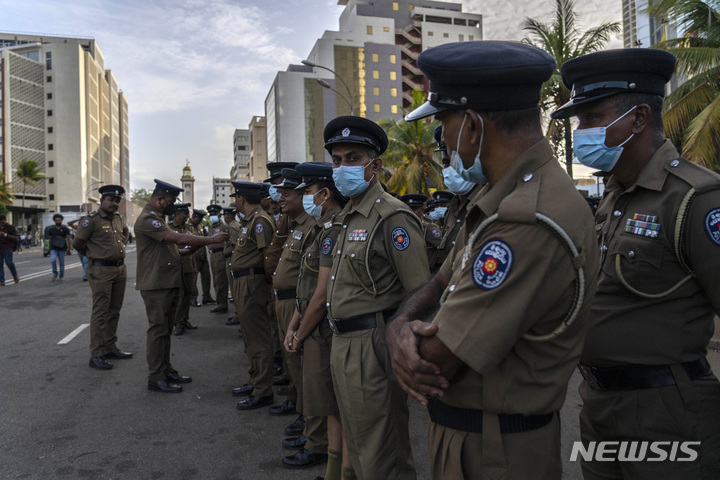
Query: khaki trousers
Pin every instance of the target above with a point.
(160, 306)
(182, 313)
(203, 268)
(218, 267)
(284, 310)
(108, 291)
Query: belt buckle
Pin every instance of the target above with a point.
(588, 373)
(275, 292)
(333, 327)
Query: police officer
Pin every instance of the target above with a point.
(511, 322)
(201, 262)
(252, 291)
(440, 201)
(644, 366)
(217, 261)
(431, 231)
(182, 314)
(233, 229)
(379, 259)
(102, 236)
(158, 279)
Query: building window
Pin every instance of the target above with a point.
(461, 38)
(471, 37)
(430, 34)
(393, 108)
(376, 91)
(376, 108)
(50, 129)
(48, 64)
(49, 96)
(396, 6)
(375, 57)
(51, 180)
(52, 197)
(49, 113)
(393, 92)
(51, 146)
(376, 74)
(386, 29)
(393, 75)
(48, 55)
(393, 58)
(51, 164)
(369, 29)
(48, 79)
(446, 35)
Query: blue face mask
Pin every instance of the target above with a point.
(438, 213)
(239, 216)
(310, 207)
(214, 219)
(273, 193)
(590, 149)
(455, 182)
(351, 180)
(475, 173)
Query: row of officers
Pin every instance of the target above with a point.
(483, 317)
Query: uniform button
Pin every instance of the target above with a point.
(344, 226)
(604, 248)
(527, 177)
(674, 163)
(332, 278)
(327, 304)
(377, 201)
(338, 252)
(169, 263)
(452, 288)
(309, 254)
(352, 255)
(617, 213)
(458, 220)
(631, 254)
(453, 243)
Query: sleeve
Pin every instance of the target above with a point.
(703, 244)
(152, 227)
(85, 228)
(507, 289)
(263, 231)
(433, 235)
(328, 239)
(405, 247)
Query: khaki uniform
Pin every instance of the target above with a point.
(499, 415)
(182, 313)
(637, 319)
(454, 219)
(217, 266)
(104, 236)
(203, 268)
(233, 229)
(378, 260)
(272, 258)
(158, 279)
(433, 237)
(251, 291)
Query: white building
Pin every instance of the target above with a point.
(241, 153)
(223, 192)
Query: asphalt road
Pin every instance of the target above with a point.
(59, 419)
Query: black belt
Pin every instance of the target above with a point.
(228, 255)
(244, 272)
(107, 263)
(285, 294)
(216, 250)
(632, 377)
(352, 324)
(470, 420)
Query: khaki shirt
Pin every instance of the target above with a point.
(103, 234)
(626, 328)
(275, 249)
(255, 234)
(201, 253)
(216, 228)
(186, 260)
(233, 230)
(158, 263)
(519, 279)
(454, 219)
(288, 268)
(319, 253)
(374, 269)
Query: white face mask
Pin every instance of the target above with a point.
(455, 182)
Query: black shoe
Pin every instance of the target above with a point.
(218, 310)
(293, 443)
(283, 391)
(209, 302)
(177, 378)
(283, 380)
(177, 331)
(231, 300)
(243, 391)
(287, 408)
(163, 386)
(277, 366)
(304, 459)
(296, 428)
(232, 321)
(190, 326)
(100, 363)
(116, 353)
(194, 303)
(253, 402)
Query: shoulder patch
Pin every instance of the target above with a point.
(156, 223)
(259, 227)
(327, 244)
(492, 265)
(712, 225)
(85, 222)
(400, 238)
(435, 233)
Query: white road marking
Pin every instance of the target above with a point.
(42, 273)
(73, 334)
(20, 263)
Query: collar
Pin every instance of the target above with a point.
(253, 214)
(103, 213)
(653, 175)
(489, 197)
(301, 219)
(373, 193)
(328, 217)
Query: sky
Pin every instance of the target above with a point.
(193, 71)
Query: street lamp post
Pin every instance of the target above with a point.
(324, 84)
(327, 85)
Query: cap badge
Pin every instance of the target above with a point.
(346, 132)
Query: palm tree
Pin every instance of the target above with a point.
(29, 173)
(6, 195)
(409, 155)
(691, 113)
(564, 41)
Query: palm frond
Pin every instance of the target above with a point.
(702, 140)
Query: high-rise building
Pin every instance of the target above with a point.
(241, 157)
(367, 67)
(188, 184)
(60, 107)
(222, 192)
(258, 149)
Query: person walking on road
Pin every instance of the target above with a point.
(60, 240)
(101, 237)
(8, 239)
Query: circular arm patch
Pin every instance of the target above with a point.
(400, 238)
(712, 225)
(492, 265)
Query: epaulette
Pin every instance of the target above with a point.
(520, 205)
(92, 214)
(698, 177)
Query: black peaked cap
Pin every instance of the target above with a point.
(351, 129)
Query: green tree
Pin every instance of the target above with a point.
(564, 40)
(140, 196)
(29, 173)
(691, 113)
(409, 162)
(6, 195)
